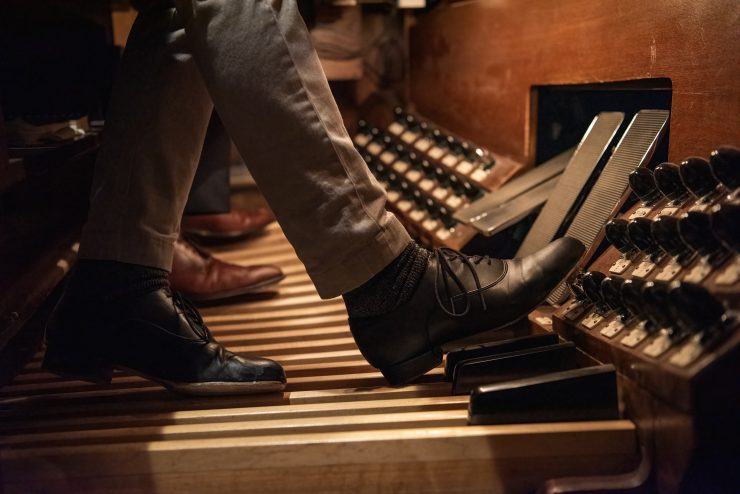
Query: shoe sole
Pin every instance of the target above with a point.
(408, 370)
(224, 388)
(405, 372)
(215, 388)
(101, 374)
(235, 292)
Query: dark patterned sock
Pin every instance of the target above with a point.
(391, 287)
(107, 280)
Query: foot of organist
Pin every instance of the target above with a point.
(210, 219)
(254, 61)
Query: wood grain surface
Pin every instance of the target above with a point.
(474, 63)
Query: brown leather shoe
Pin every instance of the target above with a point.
(227, 226)
(200, 276)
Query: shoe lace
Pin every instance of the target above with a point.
(445, 277)
(192, 316)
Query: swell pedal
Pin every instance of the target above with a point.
(590, 153)
(489, 212)
(589, 393)
(458, 355)
(518, 208)
(635, 149)
(520, 364)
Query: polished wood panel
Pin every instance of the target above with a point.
(336, 427)
(473, 64)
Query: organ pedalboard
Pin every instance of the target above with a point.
(650, 329)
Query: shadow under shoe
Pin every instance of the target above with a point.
(157, 335)
(457, 297)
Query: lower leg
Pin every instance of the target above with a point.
(391, 287)
(154, 134)
(118, 312)
(267, 83)
(154, 130)
(268, 86)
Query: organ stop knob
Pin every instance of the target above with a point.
(427, 168)
(655, 300)
(412, 123)
(441, 175)
(406, 190)
(725, 164)
(643, 185)
(611, 292)
(639, 232)
(665, 231)
(668, 179)
(726, 225)
(576, 288)
(697, 176)
(454, 145)
(631, 295)
(591, 284)
(696, 310)
(615, 232)
(471, 190)
(439, 138)
(696, 230)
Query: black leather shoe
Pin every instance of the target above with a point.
(459, 296)
(159, 336)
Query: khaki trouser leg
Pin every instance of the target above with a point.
(153, 138)
(271, 93)
(268, 86)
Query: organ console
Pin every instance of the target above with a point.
(659, 301)
(516, 123)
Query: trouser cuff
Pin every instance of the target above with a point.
(357, 266)
(142, 248)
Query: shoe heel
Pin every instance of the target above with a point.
(76, 363)
(410, 369)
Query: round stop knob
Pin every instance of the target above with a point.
(725, 164)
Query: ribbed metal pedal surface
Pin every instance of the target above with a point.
(476, 214)
(590, 152)
(634, 150)
(515, 209)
